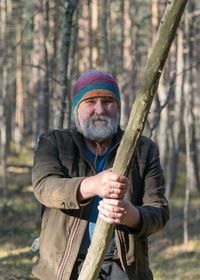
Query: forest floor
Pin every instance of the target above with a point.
(170, 259)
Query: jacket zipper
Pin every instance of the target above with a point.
(124, 255)
(70, 247)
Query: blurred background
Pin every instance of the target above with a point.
(45, 45)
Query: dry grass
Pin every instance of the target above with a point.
(170, 258)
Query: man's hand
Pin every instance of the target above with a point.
(115, 211)
(105, 184)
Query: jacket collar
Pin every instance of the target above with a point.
(80, 142)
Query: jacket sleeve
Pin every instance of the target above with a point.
(154, 210)
(51, 183)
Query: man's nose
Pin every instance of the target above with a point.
(99, 108)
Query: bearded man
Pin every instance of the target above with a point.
(72, 178)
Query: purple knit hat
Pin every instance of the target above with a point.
(94, 83)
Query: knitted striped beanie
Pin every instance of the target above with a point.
(94, 83)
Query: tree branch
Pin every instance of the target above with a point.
(43, 69)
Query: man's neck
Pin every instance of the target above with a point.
(103, 146)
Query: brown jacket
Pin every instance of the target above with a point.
(61, 163)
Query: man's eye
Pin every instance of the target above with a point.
(89, 101)
(108, 101)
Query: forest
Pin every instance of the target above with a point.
(45, 46)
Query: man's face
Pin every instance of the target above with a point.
(98, 118)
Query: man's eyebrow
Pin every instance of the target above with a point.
(89, 98)
(107, 97)
(102, 97)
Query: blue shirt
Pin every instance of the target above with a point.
(100, 166)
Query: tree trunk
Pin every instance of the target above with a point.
(155, 19)
(36, 73)
(3, 132)
(94, 33)
(43, 96)
(10, 102)
(154, 27)
(53, 40)
(163, 124)
(3, 80)
(192, 177)
(196, 70)
(63, 90)
(127, 149)
(19, 117)
(176, 122)
(105, 36)
(135, 54)
(191, 155)
(185, 219)
(40, 70)
(90, 32)
(124, 20)
(112, 38)
(83, 36)
(72, 67)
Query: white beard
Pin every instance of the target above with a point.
(100, 130)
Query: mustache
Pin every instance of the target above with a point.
(100, 118)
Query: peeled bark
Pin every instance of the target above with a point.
(103, 231)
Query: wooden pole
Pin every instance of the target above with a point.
(167, 30)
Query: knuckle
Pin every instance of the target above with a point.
(118, 203)
(111, 215)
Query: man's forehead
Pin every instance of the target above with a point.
(100, 97)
